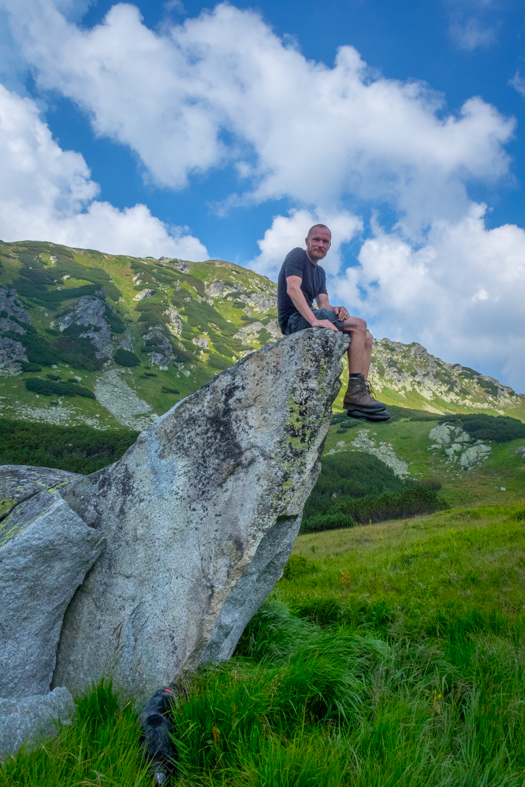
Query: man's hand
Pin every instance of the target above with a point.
(324, 324)
(341, 312)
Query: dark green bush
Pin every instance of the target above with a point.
(115, 322)
(50, 388)
(31, 367)
(218, 362)
(347, 475)
(180, 355)
(126, 358)
(334, 521)
(500, 428)
(39, 293)
(409, 502)
(112, 291)
(77, 350)
(79, 449)
(165, 389)
(38, 350)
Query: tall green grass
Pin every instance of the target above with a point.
(388, 656)
(100, 748)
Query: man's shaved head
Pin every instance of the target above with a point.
(318, 241)
(315, 226)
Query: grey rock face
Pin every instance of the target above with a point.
(12, 352)
(175, 324)
(458, 450)
(45, 552)
(9, 303)
(200, 517)
(89, 312)
(31, 719)
(20, 482)
(161, 350)
(147, 293)
(474, 454)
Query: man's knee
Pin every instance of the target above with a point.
(369, 340)
(356, 325)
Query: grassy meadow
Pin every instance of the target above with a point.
(390, 654)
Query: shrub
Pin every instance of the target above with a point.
(347, 475)
(413, 501)
(500, 429)
(180, 355)
(115, 322)
(79, 449)
(335, 521)
(218, 362)
(51, 388)
(126, 358)
(31, 367)
(38, 350)
(77, 350)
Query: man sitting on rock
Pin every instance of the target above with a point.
(301, 281)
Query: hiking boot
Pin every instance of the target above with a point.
(359, 395)
(374, 416)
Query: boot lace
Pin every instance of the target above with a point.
(369, 388)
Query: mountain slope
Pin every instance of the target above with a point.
(105, 340)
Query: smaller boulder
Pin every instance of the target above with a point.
(45, 552)
(30, 720)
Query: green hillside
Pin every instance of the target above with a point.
(108, 341)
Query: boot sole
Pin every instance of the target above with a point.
(373, 417)
(366, 408)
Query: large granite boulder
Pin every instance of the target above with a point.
(45, 551)
(200, 516)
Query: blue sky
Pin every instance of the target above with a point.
(223, 131)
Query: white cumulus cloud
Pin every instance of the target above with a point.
(287, 232)
(47, 194)
(461, 294)
(222, 88)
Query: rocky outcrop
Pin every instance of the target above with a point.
(158, 347)
(408, 371)
(200, 516)
(89, 313)
(457, 445)
(174, 321)
(249, 333)
(12, 319)
(45, 552)
(147, 293)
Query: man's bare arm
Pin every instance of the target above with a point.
(293, 288)
(323, 303)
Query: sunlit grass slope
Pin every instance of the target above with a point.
(388, 655)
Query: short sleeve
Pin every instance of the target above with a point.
(294, 263)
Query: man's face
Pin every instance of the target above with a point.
(318, 243)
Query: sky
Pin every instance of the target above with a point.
(224, 131)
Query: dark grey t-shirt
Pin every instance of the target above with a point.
(313, 283)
